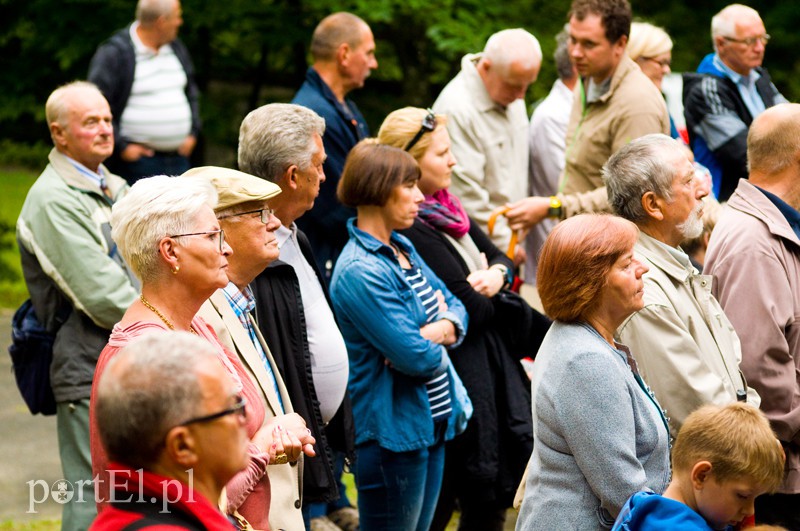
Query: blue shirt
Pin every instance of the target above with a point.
(380, 317)
(746, 86)
(242, 303)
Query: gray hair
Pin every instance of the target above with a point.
(635, 169)
(564, 65)
(275, 136)
(57, 107)
(723, 24)
(513, 46)
(147, 389)
(148, 11)
(152, 209)
(332, 31)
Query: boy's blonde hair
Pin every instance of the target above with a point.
(736, 439)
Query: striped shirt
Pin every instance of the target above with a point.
(242, 303)
(157, 113)
(438, 388)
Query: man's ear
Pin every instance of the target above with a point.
(343, 53)
(653, 206)
(181, 446)
(57, 132)
(701, 472)
(290, 175)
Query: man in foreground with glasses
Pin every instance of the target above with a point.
(173, 423)
(250, 225)
(728, 91)
(284, 144)
(488, 126)
(79, 284)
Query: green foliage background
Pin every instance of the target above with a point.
(250, 52)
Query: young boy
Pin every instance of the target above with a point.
(722, 460)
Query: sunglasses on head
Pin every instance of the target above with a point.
(428, 125)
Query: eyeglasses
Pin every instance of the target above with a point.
(664, 63)
(428, 125)
(237, 409)
(751, 41)
(220, 232)
(266, 213)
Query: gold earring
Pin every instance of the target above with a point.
(175, 271)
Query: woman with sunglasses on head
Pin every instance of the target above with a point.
(168, 234)
(484, 465)
(397, 319)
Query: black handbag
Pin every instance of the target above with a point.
(31, 353)
(521, 327)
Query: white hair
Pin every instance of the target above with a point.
(723, 24)
(513, 46)
(153, 208)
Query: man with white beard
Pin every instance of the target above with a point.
(685, 347)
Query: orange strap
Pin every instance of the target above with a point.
(512, 244)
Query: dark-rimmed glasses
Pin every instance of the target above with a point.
(751, 41)
(428, 126)
(266, 213)
(219, 231)
(237, 409)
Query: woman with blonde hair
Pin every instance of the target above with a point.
(483, 465)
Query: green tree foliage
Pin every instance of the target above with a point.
(249, 52)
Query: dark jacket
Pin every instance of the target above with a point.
(499, 438)
(325, 224)
(112, 69)
(718, 121)
(281, 319)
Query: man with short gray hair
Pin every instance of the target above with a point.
(343, 50)
(685, 347)
(728, 91)
(488, 125)
(153, 402)
(146, 74)
(284, 144)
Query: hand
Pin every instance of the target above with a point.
(520, 256)
(525, 213)
(291, 423)
(134, 152)
(441, 332)
(487, 282)
(286, 443)
(187, 146)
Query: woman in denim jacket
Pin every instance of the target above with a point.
(397, 319)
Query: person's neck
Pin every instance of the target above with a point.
(330, 75)
(571, 82)
(678, 492)
(239, 275)
(667, 235)
(285, 210)
(197, 482)
(175, 301)
(604, 325)
(783, 185)
(370, 221)
(149, 37)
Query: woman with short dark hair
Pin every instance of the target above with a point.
(397, 319)
(599, 434)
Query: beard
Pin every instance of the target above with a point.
(693, 226)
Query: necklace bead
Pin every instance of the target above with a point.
(161, 316)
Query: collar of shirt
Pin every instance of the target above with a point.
(284, 233)
(242, 302)
(98, 178)
(140, 48)
(595, 91)
(792, 216)
(746, 81)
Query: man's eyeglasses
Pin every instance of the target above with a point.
(220, 232)
(237, 409)
(428, 126)
(266, 213)
(751, 41)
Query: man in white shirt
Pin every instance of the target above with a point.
(282, 143)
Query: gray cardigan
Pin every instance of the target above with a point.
(599, 436)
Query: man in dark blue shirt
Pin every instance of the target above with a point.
(343, 50)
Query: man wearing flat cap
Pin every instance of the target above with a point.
(250, 226)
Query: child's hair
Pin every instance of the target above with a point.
(736, 439)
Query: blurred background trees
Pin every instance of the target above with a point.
(251, 52)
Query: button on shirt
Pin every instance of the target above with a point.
(746, 86)
(242, 303)
(329, 362)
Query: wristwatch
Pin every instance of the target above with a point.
(554, 212)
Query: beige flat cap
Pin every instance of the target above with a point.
(235, 187)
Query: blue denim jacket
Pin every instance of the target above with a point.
(380, 317)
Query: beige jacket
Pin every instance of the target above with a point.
(632, 107)
(285, 480)
(686, 349)
(490, 144)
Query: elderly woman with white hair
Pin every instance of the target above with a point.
(168, 233)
